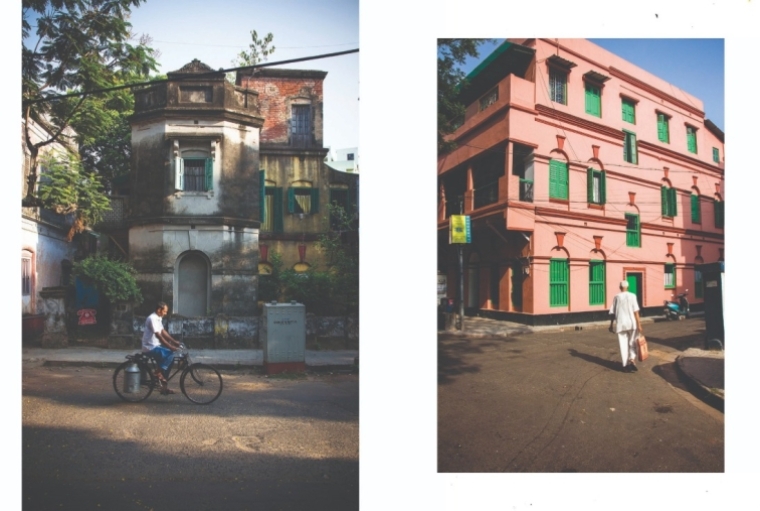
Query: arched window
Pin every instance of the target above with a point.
(192, 284)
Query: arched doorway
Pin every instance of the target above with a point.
(192, 285)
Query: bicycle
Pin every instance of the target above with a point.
(134, 380)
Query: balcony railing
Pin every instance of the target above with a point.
(526, 190)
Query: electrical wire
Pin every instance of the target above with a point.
(181, 78)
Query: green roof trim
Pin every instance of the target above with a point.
(487, 62)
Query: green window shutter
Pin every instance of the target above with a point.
(633, 231)
(664, 201)
(558, 282)
(291, 199)
(209, 175)
(314, 200)
(719, 209)
(716, 155)
(662, 128)
(593, 101)
(670, 276)
(626, 143)
(673, 202)
(590, 185)
(278, 210)
(603, 188)
(558, 179)
(634, 152)
(691, 139)
(629, 111)
(262, 195)
(696, 214)
(596, 283)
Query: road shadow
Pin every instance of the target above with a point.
(609, 364)
(680, 343)
(454, 352)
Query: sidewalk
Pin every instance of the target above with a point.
(701, 369)
(221, 359)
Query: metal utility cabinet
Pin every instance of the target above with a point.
(283, 337)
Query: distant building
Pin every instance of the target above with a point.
(298, 183)
(578, 170)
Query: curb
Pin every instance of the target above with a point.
(702, 392)
(344, 368)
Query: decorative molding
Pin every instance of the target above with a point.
(642, 144)
(580, 122)
(598, 242)
(560, 142)
(656, 92)
(670, 248)
(632, 198)
(560, 238)
(665, 171)
(595, 151)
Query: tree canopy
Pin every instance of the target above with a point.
(452, 54)
(80, 46)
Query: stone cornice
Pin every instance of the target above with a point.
(580, 122)
(169, 113)
(642, 144)
(195, 220)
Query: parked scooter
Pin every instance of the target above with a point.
(677, 309)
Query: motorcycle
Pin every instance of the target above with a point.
(677, 309)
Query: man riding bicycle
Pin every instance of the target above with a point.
(160, 345)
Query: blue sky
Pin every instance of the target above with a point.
(182, 30)
(693, 65)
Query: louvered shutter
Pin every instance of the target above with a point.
(673, 202)
(634, 153)
(209, 174)
(603, 187)
(278, 210)
(291, 200)
(695, 212)
(262, 195)
(314, 200)
(590, 184)
(664, 200)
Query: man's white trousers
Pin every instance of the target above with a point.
(627, 339)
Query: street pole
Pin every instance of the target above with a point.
(461, 273)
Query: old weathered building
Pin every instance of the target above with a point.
(194, 206)
(298, 185)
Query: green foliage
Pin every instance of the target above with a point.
(115, 279)
(259, 50)
(68, 189)
(330, 292)
(452, 54)
(78, 46)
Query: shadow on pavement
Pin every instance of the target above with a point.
(609, 364)
(452, 353)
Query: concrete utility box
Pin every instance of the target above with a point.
(283, 337)
(713, 282)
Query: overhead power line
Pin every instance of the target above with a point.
(194, 76)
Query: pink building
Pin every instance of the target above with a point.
(578, 169)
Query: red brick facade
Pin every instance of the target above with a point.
(279, 90)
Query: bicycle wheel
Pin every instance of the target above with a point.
(122, 384)
(204, 384)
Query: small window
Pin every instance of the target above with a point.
(197, 174)
(716, 155)
(557, 86)
(593, 100)
(691, 139)
(632, 230)
(670, 276)
(669, 205)
(663, 131)
(596, 184)
(300, 125)
(271, 204)
(303, 200)
(350, 156)
(630, 151)
(558, 179)
(696, 212)
(489, 98)
(26, 276)
(596, 283)
(629, 111)
(559, 282)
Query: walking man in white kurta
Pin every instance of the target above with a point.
(625, 313)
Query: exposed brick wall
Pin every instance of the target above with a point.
(276, 96)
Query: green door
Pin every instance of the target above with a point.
(634, 285)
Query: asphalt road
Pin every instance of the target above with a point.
(559, 402)
(266, 443)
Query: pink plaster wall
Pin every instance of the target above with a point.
(523, 114)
